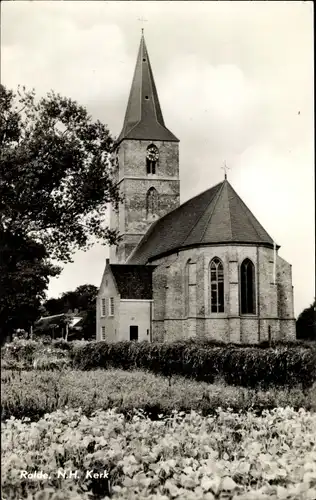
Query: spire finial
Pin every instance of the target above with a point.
(142, 20)
(225, 168)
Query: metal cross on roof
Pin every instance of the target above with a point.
(225, 168)
(142, 20)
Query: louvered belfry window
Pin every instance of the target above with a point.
(217, 285)
(247, 287)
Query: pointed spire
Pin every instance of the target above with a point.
(143, 118)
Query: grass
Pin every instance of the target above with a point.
(32, 394)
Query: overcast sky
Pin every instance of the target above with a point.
(235, 82)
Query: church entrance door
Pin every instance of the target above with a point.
(133, 332)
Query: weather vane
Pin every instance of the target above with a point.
(142, 20)
(225, 168)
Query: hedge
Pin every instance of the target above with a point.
(244, 366)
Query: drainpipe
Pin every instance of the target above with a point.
(150, 319)
(258, 294)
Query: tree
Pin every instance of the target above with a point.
(24, 276)
(82, 299)
(87, 295)
(55, 183)
(52, 307)
(55, 173)
(306, 323)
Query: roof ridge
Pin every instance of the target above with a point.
(217, 195)
(141, 80)
(146, 235)
(125, 265)
(230, 219)
(188, 201)
(140, 87)
(131, 130)
(246, 211)
(115, 281)
(124, 129)
(202, 220)
(152, 90)
(152, 226)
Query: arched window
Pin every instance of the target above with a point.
(247, 287)
(152, 202)
(217, 285)
(152, 157)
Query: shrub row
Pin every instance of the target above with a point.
(247, 367)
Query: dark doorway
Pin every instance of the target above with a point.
(133, 332)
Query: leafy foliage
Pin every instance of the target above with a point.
(245, 366)
(82, 300)
(24, 354)
(55, 184)
(24, 275)
(55, 172)
(237, 365)
(190, 457)
(306, 323)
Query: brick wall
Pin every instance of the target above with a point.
(285, 289)
(134, 182)
(285, 300)
(274, 304)
(132, 158)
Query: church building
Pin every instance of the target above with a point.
(206, 268)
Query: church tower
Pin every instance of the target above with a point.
(147, 163)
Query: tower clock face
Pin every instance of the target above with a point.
(152, 153)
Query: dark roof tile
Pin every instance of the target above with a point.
(143, 118)
(133, 281)
(215, 216)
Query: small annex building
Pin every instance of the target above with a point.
(126, 303)
(206, 268)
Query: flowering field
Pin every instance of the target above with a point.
(71, 434)
(225, 456)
